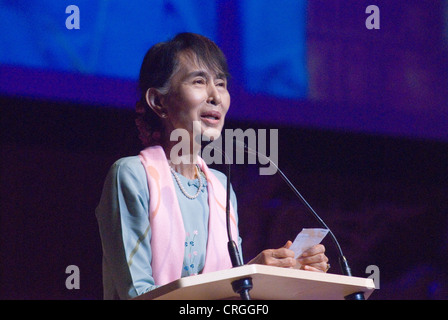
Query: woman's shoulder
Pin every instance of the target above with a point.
(131, 161)
(128, 166)
(221, 176)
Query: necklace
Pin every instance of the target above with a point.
(179, 183)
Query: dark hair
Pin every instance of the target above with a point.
(159, 65)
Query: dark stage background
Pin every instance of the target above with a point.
(366, 143)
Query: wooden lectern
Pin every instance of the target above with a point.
(269, 283)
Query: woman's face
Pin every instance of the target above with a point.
(197, 96)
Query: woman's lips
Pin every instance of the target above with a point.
(211, 117)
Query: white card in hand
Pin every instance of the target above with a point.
(306, 239)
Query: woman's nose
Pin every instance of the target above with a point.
(214, 97)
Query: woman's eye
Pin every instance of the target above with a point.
(199, 81)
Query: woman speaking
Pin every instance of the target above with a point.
(162, 212)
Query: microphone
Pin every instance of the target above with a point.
(342, 259)
(244, 285)
(232, 247)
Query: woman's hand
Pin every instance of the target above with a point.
(282, 257)
(313, 259)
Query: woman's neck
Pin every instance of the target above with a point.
(182, 160)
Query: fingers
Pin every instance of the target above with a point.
(282, 257)
(322, 267)
(310, 268)
(314, 259)
(317, 249)
(288, 244)
(283, 263)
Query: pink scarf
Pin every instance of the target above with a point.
(167, 228)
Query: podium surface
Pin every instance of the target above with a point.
(269, 283)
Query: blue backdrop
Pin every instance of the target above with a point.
(114, 36)
(293, 62)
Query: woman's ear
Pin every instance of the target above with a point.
(153, 99)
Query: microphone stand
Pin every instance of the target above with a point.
(244, 285)
(342, 260)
